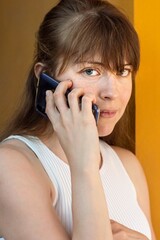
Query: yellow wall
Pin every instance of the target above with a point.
(147, 23)
(125, 6)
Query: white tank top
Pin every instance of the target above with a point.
(119, 190)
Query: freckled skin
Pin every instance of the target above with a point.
(112, 92)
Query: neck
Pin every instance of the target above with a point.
(54, 145)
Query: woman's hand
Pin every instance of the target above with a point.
(77, 132)
(75, 125)
(120, 232)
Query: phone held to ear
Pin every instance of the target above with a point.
(45, 83)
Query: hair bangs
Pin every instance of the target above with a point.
(111, 40)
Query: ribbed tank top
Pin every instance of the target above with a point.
(119, 190)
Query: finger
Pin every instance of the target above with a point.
(74, 99)
(120, 235)
(87, 100)
(51, 109)
(117, 227)
(59, 95)
(122, 232)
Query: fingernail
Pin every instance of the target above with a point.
(70, 81)
(48, 93)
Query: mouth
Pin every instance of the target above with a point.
(108, 113)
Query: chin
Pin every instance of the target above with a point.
(105, 131)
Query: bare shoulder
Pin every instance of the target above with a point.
(17, 174)
(16, 147)
(20, 166)
(26, 202)
(14, 154)
(133, 168)
(129, 161)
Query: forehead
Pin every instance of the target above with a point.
(111, 50)
(88, 61)
(98, 60)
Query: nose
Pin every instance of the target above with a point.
(109, 87)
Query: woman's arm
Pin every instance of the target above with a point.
(77, 133)
(26, 210)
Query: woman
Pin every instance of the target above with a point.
(59, 179)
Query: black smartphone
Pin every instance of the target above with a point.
(45, 83)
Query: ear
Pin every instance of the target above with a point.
(38, 68)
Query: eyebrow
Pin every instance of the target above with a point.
(101, 64)
(91, 62)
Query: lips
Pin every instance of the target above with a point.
(108, 113)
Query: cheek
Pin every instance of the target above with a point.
(126, 93)
(88, 88)
(126, 97)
